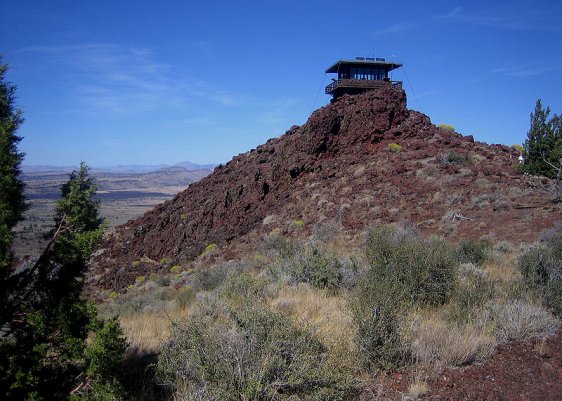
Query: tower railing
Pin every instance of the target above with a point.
(360, 84)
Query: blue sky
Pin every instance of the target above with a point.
(146, 82)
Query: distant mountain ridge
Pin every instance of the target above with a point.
(45, 181)
(121, 168)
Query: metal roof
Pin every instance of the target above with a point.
(362, 62)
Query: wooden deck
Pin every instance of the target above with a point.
(341, 86)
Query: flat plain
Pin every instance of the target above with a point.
(123, 196)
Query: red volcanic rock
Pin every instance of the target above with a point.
(337, 166)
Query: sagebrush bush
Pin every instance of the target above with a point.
(405, 270)
(473, 289)
(184, 296)
(209, 279)
(244, 351)
(474, 251)
(327, 230)
(456, 158)
(243, 285)
(279, 246)
(519, 320)
(377, 318)
(541, 267)
(416, 270)
(313, 265)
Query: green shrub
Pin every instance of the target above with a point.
(447, 127)
(209, 279)
(211, 248)
(104, 354)
(104, 361)
(164, 261)
(243, 285)
(139, 279)
(416, 270)
(460, 159)
(175, 269)
(394, 147)
(185, 296)
(541, 267)
(377, 318)
(281, 246)
(472, 251)
(298, 224)
(518, 148)
(314, 266)
(244, 351)
(473, 289)
(405, 270)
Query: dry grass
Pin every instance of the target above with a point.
(502, 268)
(417, 387)
(433, 341)
(541, 348)
(329, 315)
(146, 330)
(520, 320)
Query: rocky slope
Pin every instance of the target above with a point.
(338, 166)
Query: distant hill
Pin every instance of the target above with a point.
(44, 182)
(339, 167)
(127, 168)
(192, 166)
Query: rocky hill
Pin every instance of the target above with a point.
(337, 167)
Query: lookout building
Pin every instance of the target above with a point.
(361, 75)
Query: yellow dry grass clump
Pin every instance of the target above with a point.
(433, 341)
(502, 268)
(147, 330)
(328, 314)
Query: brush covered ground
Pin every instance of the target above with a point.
(293, 321)
(277, 277)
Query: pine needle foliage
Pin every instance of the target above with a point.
(543, 147)
(44, 318)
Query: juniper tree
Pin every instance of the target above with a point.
(543, 147)
(44, 317)
(12, 202)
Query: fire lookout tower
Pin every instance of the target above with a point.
(361, 75)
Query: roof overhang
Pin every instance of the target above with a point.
(363, 63)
